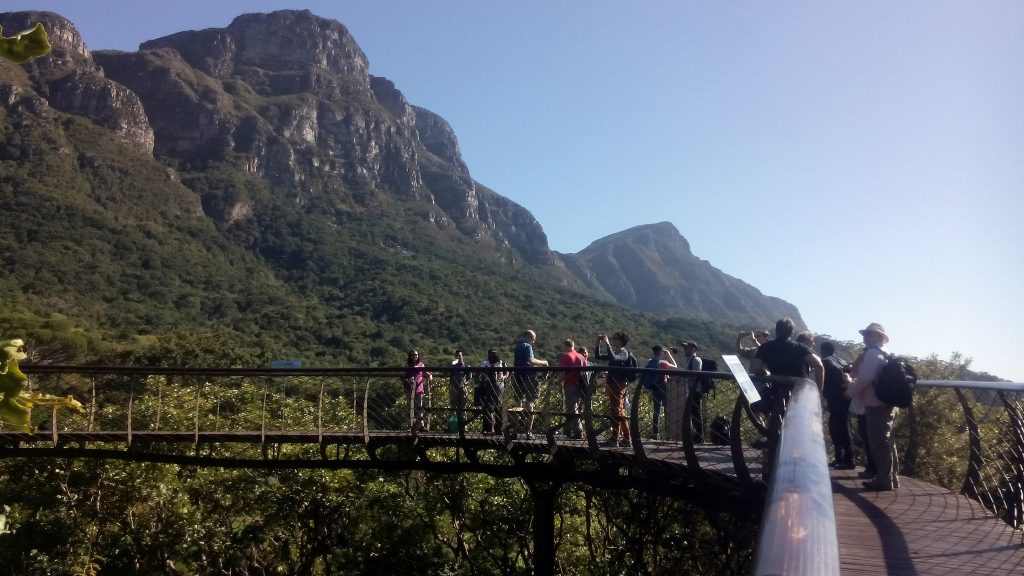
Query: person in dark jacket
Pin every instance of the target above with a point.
(837, 378)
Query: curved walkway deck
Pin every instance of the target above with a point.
(920, 529)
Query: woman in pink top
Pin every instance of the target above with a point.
(414, 379)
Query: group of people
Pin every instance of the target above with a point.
(670, 392)
(848, 391)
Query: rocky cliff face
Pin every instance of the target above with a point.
(286, 99)
(72, 82)
(651, 268)
(287, 96)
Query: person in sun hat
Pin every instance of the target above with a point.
(878, 416)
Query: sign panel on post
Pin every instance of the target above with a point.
(742, 378)
(286, 363)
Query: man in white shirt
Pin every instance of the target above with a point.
(879, 416)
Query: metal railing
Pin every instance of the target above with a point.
(798, 528)
(968, 437)
(254, 414)
(965, 436)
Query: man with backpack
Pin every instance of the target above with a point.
(879, 416)
(697, 388)
(525, 383)
(661, 359)
(621, 371)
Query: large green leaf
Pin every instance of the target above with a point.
(24, 45)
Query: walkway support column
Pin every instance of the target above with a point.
(544, 494)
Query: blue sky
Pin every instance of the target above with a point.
(864, 161)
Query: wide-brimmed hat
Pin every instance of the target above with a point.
(877, 329)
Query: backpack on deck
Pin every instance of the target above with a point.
(895, 382)
(720, 431)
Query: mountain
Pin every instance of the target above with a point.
(651, 268)
(257, 179)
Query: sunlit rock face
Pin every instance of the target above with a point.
(70, 81)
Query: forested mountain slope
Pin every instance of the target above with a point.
(255, 180)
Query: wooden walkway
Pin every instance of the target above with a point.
(920, 529)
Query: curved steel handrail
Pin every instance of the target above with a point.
(798, 529)
(972, 385)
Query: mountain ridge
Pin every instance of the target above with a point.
(277, 140)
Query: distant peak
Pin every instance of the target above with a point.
(663, 227)
(659, 232)
(286, 40)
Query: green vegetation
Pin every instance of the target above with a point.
(71, 517)
(24, 45)
(110, 241)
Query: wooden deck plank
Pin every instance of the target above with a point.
(920, 529)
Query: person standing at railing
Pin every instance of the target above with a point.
(759, 408)
(784, 357)
(491, 385)
(879, 416)
(759, 337)
(586, 378)
(675, 403)
(458, 381)
(661, 358)
(573, 385)
(414, 380)
(458, 386)
(695, 391)
(614, 352)
(857, 410)
(525, 383)
(834, 391)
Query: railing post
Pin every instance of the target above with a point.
(634, 425)
(1016, 513)
(160, 398)
(544, 495)
(263, 419)
(320, 413)
(972, 479)
(195, 438)
(53, 424)
(92, 404)
(366, 411)
(588, 411)
(131, 398)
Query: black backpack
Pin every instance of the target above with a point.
(720, 431)
(649, 380)
(895, 382)
(625, 369)
(584, 380)
(705, 384)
